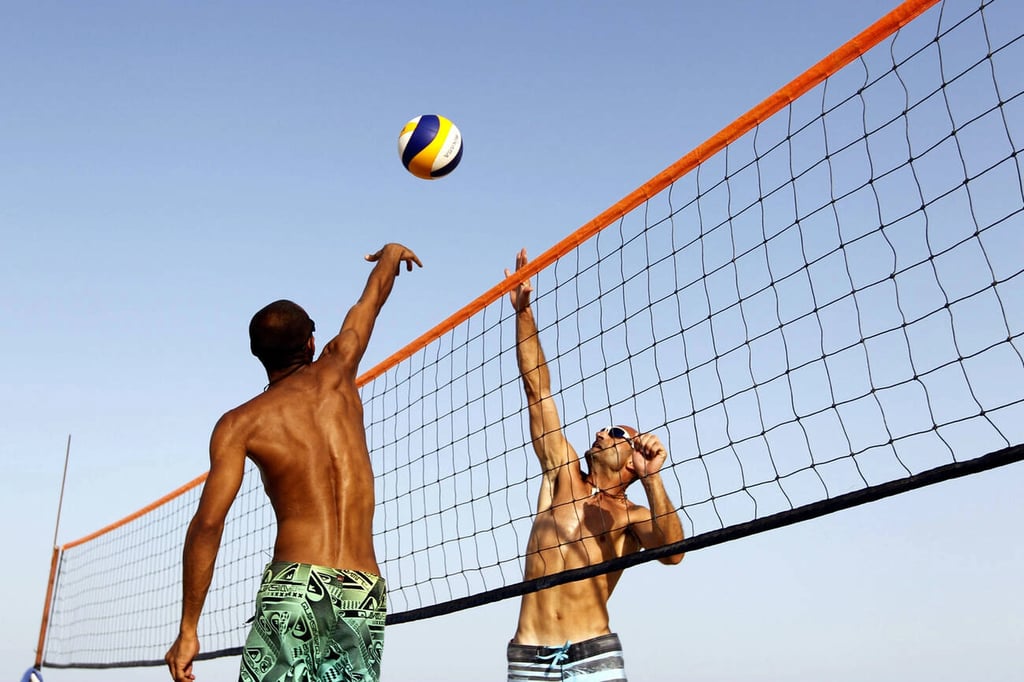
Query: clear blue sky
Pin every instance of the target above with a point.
(168, 168)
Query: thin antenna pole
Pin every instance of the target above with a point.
(53, 563)
(63, 480)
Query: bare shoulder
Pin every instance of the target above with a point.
(637, 512)
(229, 425)
(343, 352)
(236, 422)
(332, 369)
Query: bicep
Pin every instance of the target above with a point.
(227, 468)
(344, 346)
(560, 468)
(556, 455)
(641, 524)
(348, 346)
(343, 353)
(651, 535)
(549, 442)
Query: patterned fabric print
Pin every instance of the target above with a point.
(594, 660)
(316, 624)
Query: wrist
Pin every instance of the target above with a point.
(651, 479)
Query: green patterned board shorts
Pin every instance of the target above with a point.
(316, 624)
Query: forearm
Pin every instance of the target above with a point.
(202, 543)
(667, 526)
(530, 356)
(545, 426)
(381, 280)
(358, 325)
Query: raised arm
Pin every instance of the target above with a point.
(350, 344)
(663, 526)
(202, 542)
(550, 444)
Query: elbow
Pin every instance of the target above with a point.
(203, 527)
(672, 559)
(673, 539)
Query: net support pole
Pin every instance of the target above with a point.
(46, 608)
(53, 562)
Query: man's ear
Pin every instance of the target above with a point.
(630, 467)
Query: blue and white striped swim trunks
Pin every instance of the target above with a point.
(595, 660)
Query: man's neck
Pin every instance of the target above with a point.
(598, 484)
(283, 373)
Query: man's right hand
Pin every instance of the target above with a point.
(180, 656)
(401, 254)
(520, 296)
(649, 454)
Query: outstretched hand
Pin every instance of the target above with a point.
(648, 454)
(401, 253)
(520, 296)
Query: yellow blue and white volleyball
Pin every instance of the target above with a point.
(430, 146)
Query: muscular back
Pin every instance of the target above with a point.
(307, 437)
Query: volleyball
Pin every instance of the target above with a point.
(430, 146)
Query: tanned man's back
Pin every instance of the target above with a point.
(307, 437)
(305, 433)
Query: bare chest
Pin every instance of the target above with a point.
(597, 521)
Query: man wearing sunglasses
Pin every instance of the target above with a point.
(583, 518)
(305, 433)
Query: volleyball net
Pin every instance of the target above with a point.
(820, 306)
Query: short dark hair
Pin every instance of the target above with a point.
(278, 334)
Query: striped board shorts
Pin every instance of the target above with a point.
(315, 624)
(594, 660)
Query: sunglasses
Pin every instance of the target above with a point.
(619, 432)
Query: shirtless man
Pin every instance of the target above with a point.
(305, 432)
(583, 518)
